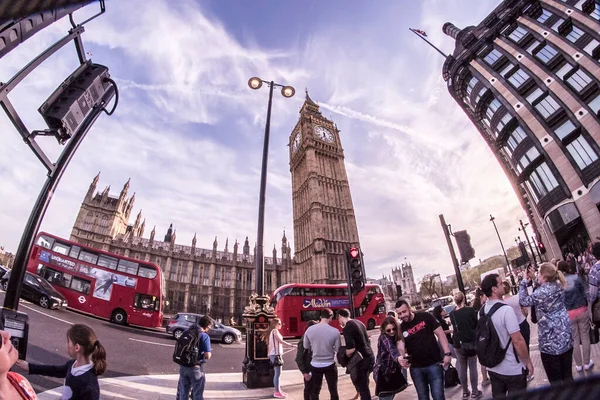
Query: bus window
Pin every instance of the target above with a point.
(312, 315)
(74, 253)
(129, 267)
(61, 248)
(146, 302)
(45, 241)
(80, 285)
(147, 272)
(107, 262)
(86, 256)
(66, 280)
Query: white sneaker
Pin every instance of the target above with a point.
(589, 366)
(579, 368)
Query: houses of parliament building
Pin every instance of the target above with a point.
(219, 282)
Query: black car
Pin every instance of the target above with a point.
(38, 290)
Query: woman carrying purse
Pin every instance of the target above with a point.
(388, 372)
(275, 343)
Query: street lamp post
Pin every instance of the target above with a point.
(257, 370)
(522, 228)
(492, 219)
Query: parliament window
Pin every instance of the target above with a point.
(542, 180)
(518, 78)
(544, 16)
(579, 80)
(546, 53)
(492, 57)
(547, 106)
(565, 129)
(594, 104)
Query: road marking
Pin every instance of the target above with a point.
(146, 341)
(47, 315)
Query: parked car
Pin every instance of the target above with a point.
(182, 321)
(38, 290)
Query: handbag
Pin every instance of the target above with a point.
(594, 334)
(596, 311)
(278, 362)
(451, 377)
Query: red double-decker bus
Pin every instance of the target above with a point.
(297, 303)
(121, 289)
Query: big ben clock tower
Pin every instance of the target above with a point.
(324, 222)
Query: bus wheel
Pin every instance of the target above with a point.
(44, 302)
(119, 317)
(228, 338)
(371, 324)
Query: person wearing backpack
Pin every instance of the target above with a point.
(464, 321)
(554, 327)
(303, 359)
(192, 350)
(500, 345)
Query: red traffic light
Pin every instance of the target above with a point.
(354, 252)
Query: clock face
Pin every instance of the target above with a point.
(324, 134)
(296, 142)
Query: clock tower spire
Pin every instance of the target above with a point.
(324, 221)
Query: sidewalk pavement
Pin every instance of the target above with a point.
(230, 386)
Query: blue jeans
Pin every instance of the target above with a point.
(276, 374)
(426, 378)
(191, 378)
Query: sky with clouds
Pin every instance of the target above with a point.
(189, 132)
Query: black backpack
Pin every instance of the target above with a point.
(186, 348)
(489, 349)
(451, 378)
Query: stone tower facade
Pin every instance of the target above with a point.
(403, 276)
(324, 222)
(103, 216)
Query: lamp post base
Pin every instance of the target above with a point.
(257, 370)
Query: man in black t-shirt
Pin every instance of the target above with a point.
(419, 332)
(357, 340)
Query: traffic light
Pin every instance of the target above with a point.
(463, 241)
(399, 291)
(356, 272)
(542, 248)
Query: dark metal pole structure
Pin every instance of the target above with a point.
(257, 371)
(260, 268)
(528, 242)
(11, 299)
(507, 267)
(459, 280)
(428, 42)
(537, 248)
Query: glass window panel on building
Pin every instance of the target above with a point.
(534, 95)
(579, 80)
(544, 16)
(591, 46)
(564, 129)
(505, 120)
(557, 24)
(562, 216)
(564, 70)
(492, 108)
(527, 158)
(471, 85)
(546, 53)
(509, 66)
(582, 152)
(594, 104)
(518, 78)
(492, 57)
(547, 106)
(575, 34)
(532, 46)
(517, 34)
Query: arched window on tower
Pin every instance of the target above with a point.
(104, 226)
(88, 222)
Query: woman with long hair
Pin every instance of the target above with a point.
(576, 304)
(388, 372)
(275, 344)
(88, 361)
(464, 322)
(554, 327)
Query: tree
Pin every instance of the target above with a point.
(430, 286)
